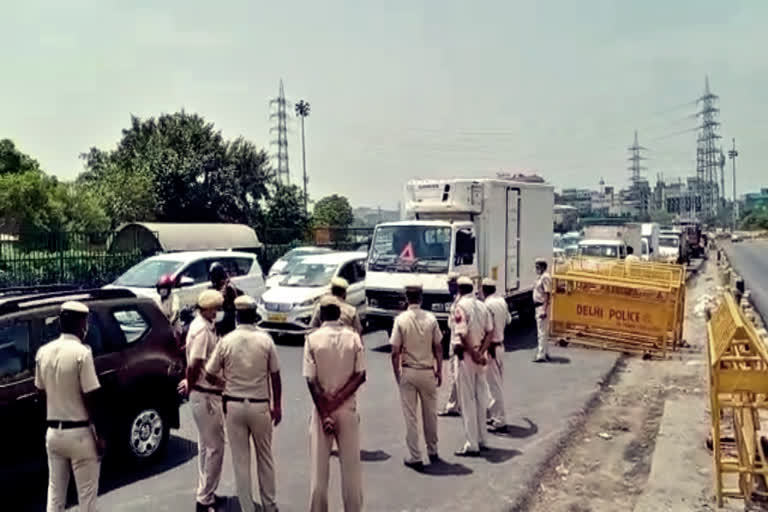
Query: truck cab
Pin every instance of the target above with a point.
(616, 249)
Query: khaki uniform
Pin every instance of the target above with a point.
(247, 357)
(542, 287)
(472, 319)
(500, 318)
(65, 371)
(205, 399)
(349, 317)
(417, 334)
(452, 405)
(332, 354)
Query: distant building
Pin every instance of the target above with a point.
(566, 218)
(756, 201)
(579, 198)
(678, 198)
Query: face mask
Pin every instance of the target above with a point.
(219, 316)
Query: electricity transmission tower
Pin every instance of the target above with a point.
(708, 154)
(639, 187)
(278, 113)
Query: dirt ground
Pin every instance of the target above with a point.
(606, 465)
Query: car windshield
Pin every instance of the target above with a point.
(668, 241)
(411, 248)
(310, 274)
(603, 251)
(146, 273)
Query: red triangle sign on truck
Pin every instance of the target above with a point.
(407, 253)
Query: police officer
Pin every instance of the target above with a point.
(417, 361)
(247, 358)
(65, 372)
(472, 324)
(220, 282)
(349, 316)
(452, 407)
(500, 318)
(542, 292)
(334, 367)
(205, 398)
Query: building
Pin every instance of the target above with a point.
(579, 198)
(756, 201)
(566, 218)
(682, 198)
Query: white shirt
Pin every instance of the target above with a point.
(500, 316)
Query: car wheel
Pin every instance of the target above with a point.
(147, 430)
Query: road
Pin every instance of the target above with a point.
(542, 400)
(750, 259)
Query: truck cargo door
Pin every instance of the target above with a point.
(512, 260)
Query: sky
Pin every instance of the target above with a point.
(400, 89)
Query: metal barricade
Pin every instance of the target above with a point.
(738, 376)
(634, 307)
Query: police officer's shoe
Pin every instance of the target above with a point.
(414, 464)
(449, 413)
(199, 507)
(434, 458)
(467, 453)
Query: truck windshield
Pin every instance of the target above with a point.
(668, 242)
(602, 251)
(411, 249)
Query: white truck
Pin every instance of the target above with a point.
(611, 241)
(475, 227)
(650, 232)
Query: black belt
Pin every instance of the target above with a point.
(418, 367)
(241, 399)
(64, 425)
(206, 390)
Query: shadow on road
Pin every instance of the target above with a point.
(499, 455)
(30, 488)
(444, 468)
(518, 432)
(559, 360)
(520, 337)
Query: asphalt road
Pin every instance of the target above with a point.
(750, 259)
(542, 400)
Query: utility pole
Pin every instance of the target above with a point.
(732, 154)
(278, 113)
(302, 110)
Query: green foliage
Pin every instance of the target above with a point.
(754, 220)
(332, 211)
(662, 217)
(13, 161)
(178, 168)
(285, 219)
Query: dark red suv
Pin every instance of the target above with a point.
(137, 360)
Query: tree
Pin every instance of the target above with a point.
(332, 211)
(181, 170)
(285, 218)
(13, 161)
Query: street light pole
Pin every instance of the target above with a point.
(732, 154)
(302, 110)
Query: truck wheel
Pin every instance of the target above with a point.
(145, 432)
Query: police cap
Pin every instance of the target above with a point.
(541, 261)
(339, 282)
(489, 282)
(464, 281)
(414, 287)
(210, 299)
(245, 302)
(74, 306)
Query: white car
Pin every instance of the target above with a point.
(190, 273)
(287, 261)
(287, 308)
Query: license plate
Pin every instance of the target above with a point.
(277, 317)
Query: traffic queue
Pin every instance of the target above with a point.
(233, 384)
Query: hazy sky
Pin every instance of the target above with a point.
(399, 89)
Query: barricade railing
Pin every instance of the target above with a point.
(738, 377)
(636, 307)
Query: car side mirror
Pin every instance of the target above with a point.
(186, 281)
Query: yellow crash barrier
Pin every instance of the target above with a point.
(738, 377)
(628, 306)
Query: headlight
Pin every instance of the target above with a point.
(306, 303)
(438, 306)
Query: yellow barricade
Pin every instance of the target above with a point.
(629, 306)
(738, 376)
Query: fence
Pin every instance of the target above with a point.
(627, 306)
(738, 376)
(71, 257)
